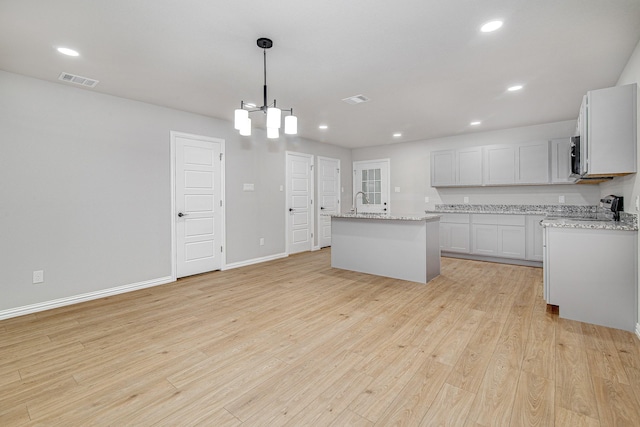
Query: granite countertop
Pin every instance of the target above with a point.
(403, 217)
(564, 210)
(559, 216)
(623, 225)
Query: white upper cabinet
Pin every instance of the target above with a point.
(561, 161)
(610, 126)
(443, 171)
(469, 166)
(532, 163)
(461, 167)
(499, 165)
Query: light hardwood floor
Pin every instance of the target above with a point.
(294, 342)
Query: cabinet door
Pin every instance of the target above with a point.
(499, 166)
(511, 242)
(443, 168)
(561, 161)
(469, 166)
(533, 163)
(485, 239)
(445, 236)
(459, 238)
(534, 237)
(611, 130)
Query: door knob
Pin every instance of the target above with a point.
(321, 208)
(180, 214)
(290, 209)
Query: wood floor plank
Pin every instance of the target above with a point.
(574, 388)
(295, 342)
(617, 405)
(539, 357)
(450, 407)
(493, 403)
(412, 403)
(568, 418)
(533, 405)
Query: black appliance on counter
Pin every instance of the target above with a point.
(614, 204)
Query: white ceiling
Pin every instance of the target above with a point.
(424, 63)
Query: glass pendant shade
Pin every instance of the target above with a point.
(274, 116)
(240, 117)
(291, 125)
(245, 129)
(273, 133)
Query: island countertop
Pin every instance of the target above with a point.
(401, 217)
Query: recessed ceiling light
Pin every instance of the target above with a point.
(491, 26)
(476, 123)
(514, 88)
(397, 135)
(67, 51)
(323, 127)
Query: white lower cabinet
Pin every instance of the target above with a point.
(534, 249)
(491, 235)
(499, 235)
(511, 241)
(591, 275)
(454, 233)
(485, 239)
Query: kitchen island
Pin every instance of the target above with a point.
(401, 247)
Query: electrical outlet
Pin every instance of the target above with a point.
(281, 188)
(397, 189)
(637, 203)
(38, 276)
(560, 199)
(465, 199)
(262, 241)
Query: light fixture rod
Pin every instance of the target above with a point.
(271, 111)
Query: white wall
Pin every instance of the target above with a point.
(85, 192)
(410, 170)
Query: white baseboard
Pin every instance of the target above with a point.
(48, 305)
(638, 330)
(254, 261)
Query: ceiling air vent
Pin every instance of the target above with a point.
(79, 80)
(356, 99)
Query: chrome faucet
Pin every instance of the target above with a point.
(355, 205)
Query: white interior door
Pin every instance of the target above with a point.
(198, 204)
(371, 177)
(299, 202)
(328, 197)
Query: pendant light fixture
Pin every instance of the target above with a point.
(242, 121)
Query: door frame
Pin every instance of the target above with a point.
(312, 191)
(317, 190)
(173, 212)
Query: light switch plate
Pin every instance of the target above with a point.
(397, 189)
(248, 187)
(426, 200)
(561, 199)
(38, 276)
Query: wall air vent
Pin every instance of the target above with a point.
(356, 99)
(79, 80)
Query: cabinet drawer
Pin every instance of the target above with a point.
(518, 220)
(455, 218)
(487, 219)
